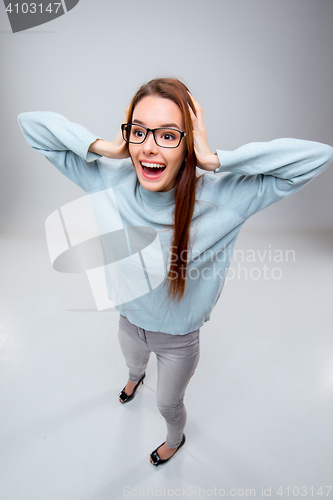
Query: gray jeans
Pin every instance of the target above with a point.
(177, 358)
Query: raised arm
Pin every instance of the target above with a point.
(70, 147)
(261, 173)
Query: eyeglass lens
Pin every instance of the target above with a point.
(165, 137)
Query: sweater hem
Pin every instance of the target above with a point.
(189, 328)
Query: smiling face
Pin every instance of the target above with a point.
(155, 112)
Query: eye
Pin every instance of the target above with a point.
(168, 137)
(138, 133)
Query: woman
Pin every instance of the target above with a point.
(151, 167)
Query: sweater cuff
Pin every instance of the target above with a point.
(89, 155)
(218, 169)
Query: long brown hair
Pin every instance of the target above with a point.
(186, 180)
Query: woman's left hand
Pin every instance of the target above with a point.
(205, 158)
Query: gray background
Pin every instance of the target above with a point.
(260, 405)
(261, 69)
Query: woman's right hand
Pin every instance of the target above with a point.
(117, 149)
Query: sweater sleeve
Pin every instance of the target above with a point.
(65, 144)
(266, 172)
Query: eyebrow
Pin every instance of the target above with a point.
(165, 125)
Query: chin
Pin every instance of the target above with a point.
(150, 186)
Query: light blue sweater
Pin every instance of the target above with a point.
(259, 174)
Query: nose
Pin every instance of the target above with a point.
(149, 145)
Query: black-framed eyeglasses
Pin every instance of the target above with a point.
(164, 137)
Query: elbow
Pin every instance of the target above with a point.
(322, 156)
(23, 119)
(329, 154)
(325, 154)
(28, 116)
(20, 118)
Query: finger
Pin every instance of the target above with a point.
(192, 97)
(198, 110)
(126, 115)
(195, 102)
(193, 117)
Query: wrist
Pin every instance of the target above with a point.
(99, 147)
(209, 162)
(108, 149)
(215, 161)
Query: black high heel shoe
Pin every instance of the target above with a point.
(123, 398)
(157, 460)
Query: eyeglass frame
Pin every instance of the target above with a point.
(153, 130)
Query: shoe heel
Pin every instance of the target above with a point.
(123, 396)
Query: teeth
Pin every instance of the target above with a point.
(152, 165)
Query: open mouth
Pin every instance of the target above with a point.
(152, 170)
